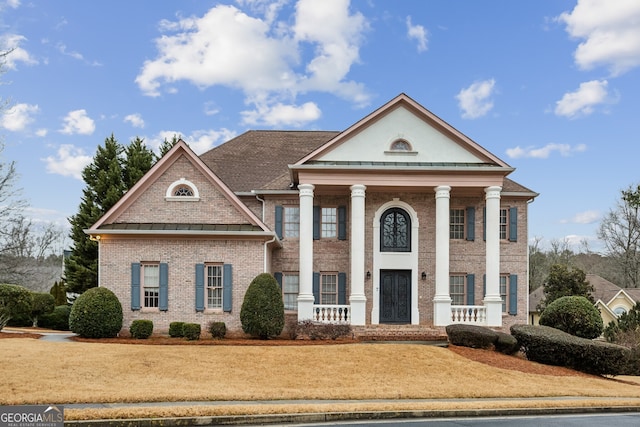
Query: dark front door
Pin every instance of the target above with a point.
(395, 296)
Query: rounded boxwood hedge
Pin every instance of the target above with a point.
(58, 320)
(574, 315)
(141, 329)
(262, 312)
(97, 313)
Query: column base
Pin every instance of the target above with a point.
(358, 305)
(305, 307)
(493, 307)
(442, 311)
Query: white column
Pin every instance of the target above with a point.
(305, 295)
(442, 299)
(492, 300)
(357, 299)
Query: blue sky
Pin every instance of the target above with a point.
(550, 86)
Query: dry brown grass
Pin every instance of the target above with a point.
(86, 372)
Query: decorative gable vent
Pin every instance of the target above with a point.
(182, 190)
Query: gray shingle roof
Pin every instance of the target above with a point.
(259, 160)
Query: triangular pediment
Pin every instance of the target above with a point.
(403, 132)
(150, 206)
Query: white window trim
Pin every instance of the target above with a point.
(182, 181)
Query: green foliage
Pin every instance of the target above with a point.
(42, 303)
(58, 319)
(471, 336)
(563, 281)
(175, 329)
(97, 313)
(167, 145)
(262, 312)
(573, 315)
(626, 329)
(141, 329)
(320, 331)
(551, 346)
(107, 178)
(507, 344)
(191, 331)
(59, 293)
(15, 301)
(217, 329)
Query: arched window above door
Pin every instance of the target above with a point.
(395, 231)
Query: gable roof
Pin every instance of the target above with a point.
(404, 101)
(104, 224)
(266, 160)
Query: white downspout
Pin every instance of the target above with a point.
(268, 242)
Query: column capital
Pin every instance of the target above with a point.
(306, 189)
(493, 192)
(358, 190)
(442, 191)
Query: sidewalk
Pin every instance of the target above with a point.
(333, 416)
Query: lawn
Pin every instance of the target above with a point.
(77, 372)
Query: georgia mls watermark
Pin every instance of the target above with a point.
(31, 416)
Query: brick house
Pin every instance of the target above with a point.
(398, 220)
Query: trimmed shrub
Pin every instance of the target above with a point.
(42, 303)
(551, 346)
(191, 331)
(574, 315)
(15, 301)
(97, 313)
(141, 329)
(321, 331)
(506, 344)
(473, 336)
(58, 319)
(175, 329)
(217, 329)
(21, 321)
(262, 312)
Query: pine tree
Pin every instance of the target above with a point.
(167, 145)
(59, 293)
(107, 178)
(138, 160)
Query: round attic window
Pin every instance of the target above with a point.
(182, 190)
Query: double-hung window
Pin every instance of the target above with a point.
(214, 285)
(290, 289)
(291, 221)
(456, 224)
(328, 288)
(150, 285)
(504, 285)
(504, 223)
(329, 222)
(457, 289)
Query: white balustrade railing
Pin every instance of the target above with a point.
(332, 313)
(470, 314)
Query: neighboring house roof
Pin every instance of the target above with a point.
(603, 291)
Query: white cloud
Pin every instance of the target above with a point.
(42, 132)
(62, 48)
(610, 32)
(419, 33)
(18, 117)
(14, 4)
(77, 122)
(280, 114)
(12, 42)
(475, 101)
(586, 217)
(565, 150)
(261, 56)
(210, 109)
(199, 141)
(68, 161)
(582, 101)
(135, 120)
